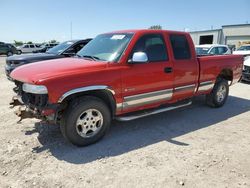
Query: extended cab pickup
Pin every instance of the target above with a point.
(122, 75)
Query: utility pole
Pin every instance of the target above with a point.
(71, 30)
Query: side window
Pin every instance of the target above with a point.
(26, 46)
(180, 47)
(215, 51)
(222, 50)
(79, 46)
(153, 45)
(32, 46)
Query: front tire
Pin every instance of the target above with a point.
(85, 121)
(219, 94)
(9, 54)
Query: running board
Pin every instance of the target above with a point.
(157, 111)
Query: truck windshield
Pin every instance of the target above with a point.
(201, 51)
(244, 48)
(106, 47)
(60, 48)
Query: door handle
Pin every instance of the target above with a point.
(168, 69)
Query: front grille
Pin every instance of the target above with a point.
(30, 99)
(10, 63)
(35, 100)
(247, 69)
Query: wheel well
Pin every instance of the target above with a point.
(226, 74)
(104, 95)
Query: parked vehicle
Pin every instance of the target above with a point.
(28, 48)
(65, 49)
(246, 69)
(212, 49)
(243, 50)
(7, 49)
(45, 47)
(122, 75)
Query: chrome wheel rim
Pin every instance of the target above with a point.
(89, 123)
(221, 93)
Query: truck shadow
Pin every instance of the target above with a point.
(124, 137)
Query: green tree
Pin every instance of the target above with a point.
(18, 43)
(155, 27)
(53, 41)
(30, 42)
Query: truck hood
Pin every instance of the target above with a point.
(30, 58)
(243, 52)
(247, 62)
(33, 73)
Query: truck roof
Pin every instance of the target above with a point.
(147, 31)
(210, 45)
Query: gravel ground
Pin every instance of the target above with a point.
(196, 146)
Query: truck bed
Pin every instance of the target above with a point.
(209, 68)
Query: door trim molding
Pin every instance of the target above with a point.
(147, 98)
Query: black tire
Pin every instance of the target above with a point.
(19, 52)
(74, 111)
(217, 98)
(9, 54)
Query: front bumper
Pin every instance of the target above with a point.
(47, 113)
(246, 76)
(34, 106)
(8, 70)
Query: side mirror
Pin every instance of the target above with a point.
(139, 57)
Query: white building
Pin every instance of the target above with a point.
(232, 35)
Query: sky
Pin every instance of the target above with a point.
(44, 20)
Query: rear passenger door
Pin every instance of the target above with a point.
(26, 48)
(185, 66)
(151, 82)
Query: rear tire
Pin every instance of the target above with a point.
(85, 121)
(19, 52)
(219, 94)
(9, 54)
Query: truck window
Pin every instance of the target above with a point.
(153, 45)
(180, 47)
(214, 51)
(222, 50)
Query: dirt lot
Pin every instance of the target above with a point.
(193, 147)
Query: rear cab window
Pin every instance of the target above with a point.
(180, 46)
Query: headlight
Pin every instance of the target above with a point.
(36, 89)
(246, 57)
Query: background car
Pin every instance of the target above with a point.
(246, 69)
(7, 49)
(243, 50)
(65, 49)
(212, 49)
(45, 47)
(28, 48)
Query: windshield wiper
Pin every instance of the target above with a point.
(91, 57)
(77, 55)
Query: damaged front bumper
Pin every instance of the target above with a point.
(46, 113)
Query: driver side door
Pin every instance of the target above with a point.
(151, 82)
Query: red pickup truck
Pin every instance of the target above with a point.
(123, 75)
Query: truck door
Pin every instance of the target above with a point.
(151, 82)
(185, 66)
